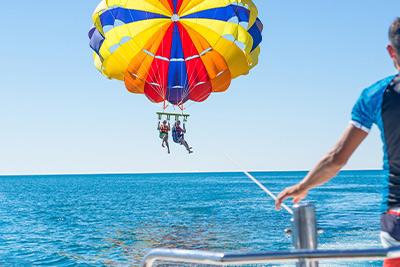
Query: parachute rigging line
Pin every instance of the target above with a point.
(244, 171)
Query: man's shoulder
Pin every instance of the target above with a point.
(366, 109)
(377, 88)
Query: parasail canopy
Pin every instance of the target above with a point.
(175, 50)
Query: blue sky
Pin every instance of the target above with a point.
(60, 115)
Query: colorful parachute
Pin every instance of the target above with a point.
(176, 50)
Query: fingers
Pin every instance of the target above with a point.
(296, 200)
(278, 205)
(290, 192)
(282, 196)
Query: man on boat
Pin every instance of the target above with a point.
(379, 104)
(164, 129)
(178, 133)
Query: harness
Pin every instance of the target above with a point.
(178, 131)
(176, 134)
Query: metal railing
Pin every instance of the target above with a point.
(309, 256)
(304, 239)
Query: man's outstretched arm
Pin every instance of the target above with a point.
(328, 166)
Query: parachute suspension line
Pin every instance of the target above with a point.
(180, 105)
(186, 91)
(196, 75)
(165, 105)
(222, 85)
(244, 171)
(202, 94)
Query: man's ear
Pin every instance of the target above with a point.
(391, 51)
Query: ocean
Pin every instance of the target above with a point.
(114, 219)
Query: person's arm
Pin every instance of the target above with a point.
(328, 166)
(158, 127)
(184, 129)
(169, 127)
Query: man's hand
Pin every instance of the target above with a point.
(328, 166)
(295, 192)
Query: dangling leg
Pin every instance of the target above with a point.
(188, 148)
(165, 140)
(185, 144)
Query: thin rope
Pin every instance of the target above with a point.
(244, 171)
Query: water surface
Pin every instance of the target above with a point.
(108, 220)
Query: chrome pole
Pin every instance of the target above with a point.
(304, 231)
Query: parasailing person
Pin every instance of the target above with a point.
(164, 129)
(178, 135)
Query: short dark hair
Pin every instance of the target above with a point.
(394, 35)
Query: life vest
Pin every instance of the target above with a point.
(164, 129)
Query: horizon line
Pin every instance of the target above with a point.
(168, 172)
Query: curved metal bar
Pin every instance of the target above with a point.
(204, 257)
(179, 255)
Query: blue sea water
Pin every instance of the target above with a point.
(113, 220)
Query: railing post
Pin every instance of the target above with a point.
(304, 231)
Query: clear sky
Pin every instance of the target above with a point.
(58, 114)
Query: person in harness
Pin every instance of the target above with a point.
(178, 135)
(164, 129)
